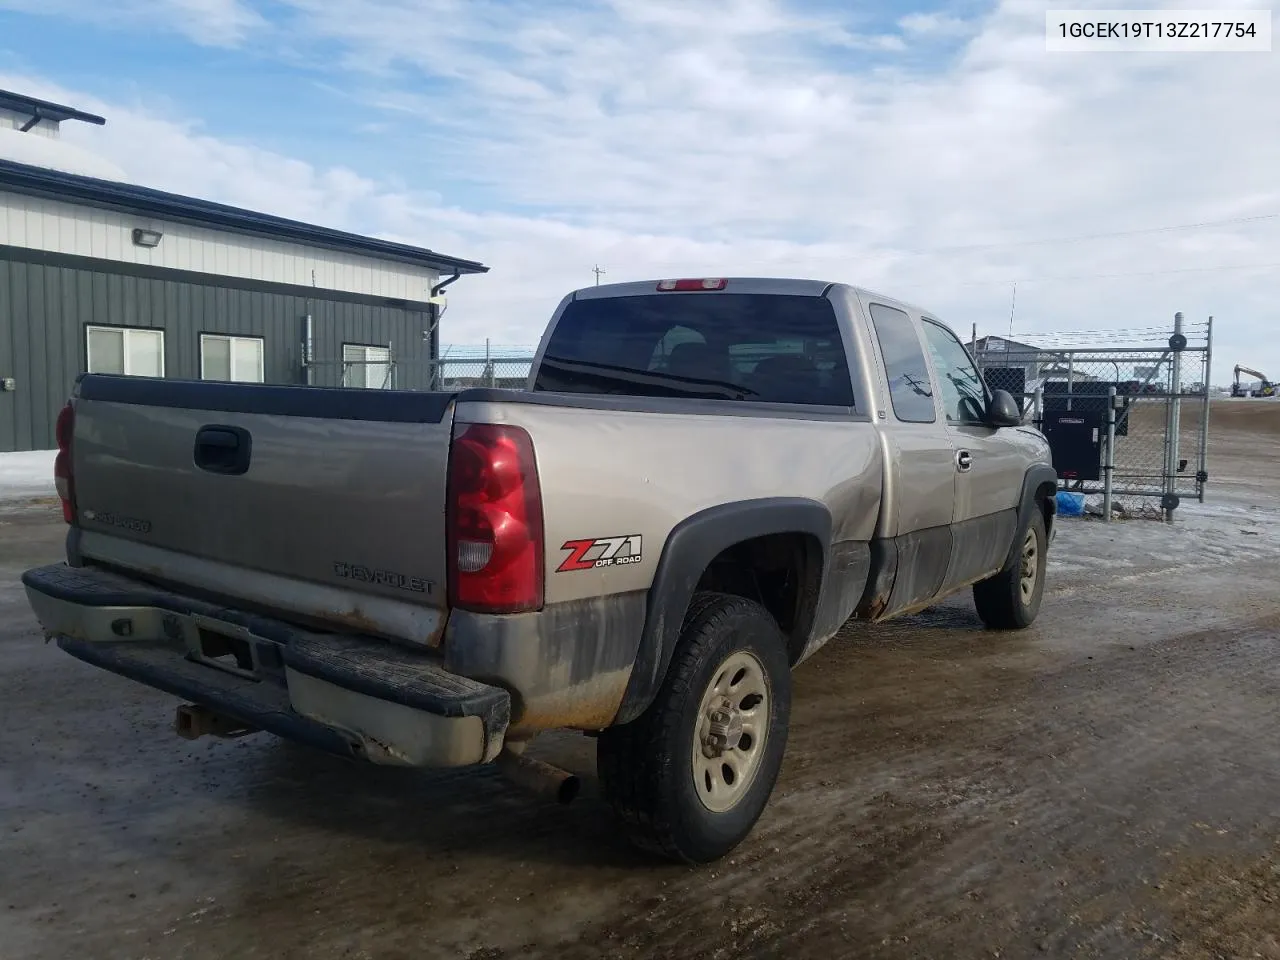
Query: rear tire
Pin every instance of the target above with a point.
(689, 777)
(1011, 599)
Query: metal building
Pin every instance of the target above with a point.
(101, 275)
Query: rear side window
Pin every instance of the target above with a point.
(910, 389)
(731, 346)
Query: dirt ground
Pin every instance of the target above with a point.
(1102, 785)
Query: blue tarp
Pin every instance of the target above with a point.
(1070, 504)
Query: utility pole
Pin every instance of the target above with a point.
(597, 270)
(1013, 305)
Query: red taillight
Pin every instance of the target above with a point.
(688, 285)
(494, 521)
(62, 476)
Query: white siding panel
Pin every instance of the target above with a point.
(68, 228)
(35, 225)
(82, 235)
(97, 236)
(116, 242)
(182, 253)
(13, 120)
(64, 229)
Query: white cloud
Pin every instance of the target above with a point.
(215, 23)
(659, 140)
(933, 25)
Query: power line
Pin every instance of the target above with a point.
(1097, 236)
(1121, 276)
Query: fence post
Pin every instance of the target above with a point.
(1204, 413)
(1109, 459)
(308, 350)
(1173, 424)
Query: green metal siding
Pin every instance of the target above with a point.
(45, 310)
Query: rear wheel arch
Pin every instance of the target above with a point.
(703, 552)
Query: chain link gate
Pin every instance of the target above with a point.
(1141, 410)
(509, 373)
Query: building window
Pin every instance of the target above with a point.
(132, 351)
(366, 366)
(237, 359)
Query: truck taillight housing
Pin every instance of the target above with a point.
(62, 475)
(494, 521)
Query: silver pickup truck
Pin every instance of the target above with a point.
(703, 481)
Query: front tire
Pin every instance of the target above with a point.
(689, 777)
(1011, 599)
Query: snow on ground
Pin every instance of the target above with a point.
(1228, 529)
(27, 474)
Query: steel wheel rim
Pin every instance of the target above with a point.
(1030, 567)
(730, 732)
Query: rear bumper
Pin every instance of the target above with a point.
(349, 695)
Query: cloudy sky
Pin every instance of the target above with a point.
(934, 151)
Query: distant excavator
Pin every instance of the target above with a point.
(1266, 388)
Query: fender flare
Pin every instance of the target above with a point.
(690, 548)
(1036, 477)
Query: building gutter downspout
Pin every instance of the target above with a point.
(433, 332)
(435, 291)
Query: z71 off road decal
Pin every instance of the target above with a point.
(600, 552)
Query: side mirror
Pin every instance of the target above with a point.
(1003, 410)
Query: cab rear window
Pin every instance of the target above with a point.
(766, 348)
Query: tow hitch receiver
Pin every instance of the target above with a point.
(194, 721)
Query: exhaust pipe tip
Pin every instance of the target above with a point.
(539, 778)
(568, 791)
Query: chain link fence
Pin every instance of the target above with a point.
(379, 368)
(1126, 411)
(510, 373)
(368, 374)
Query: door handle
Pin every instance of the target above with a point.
(221, 449)
(964, 460)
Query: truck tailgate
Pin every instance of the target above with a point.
(340, 488)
